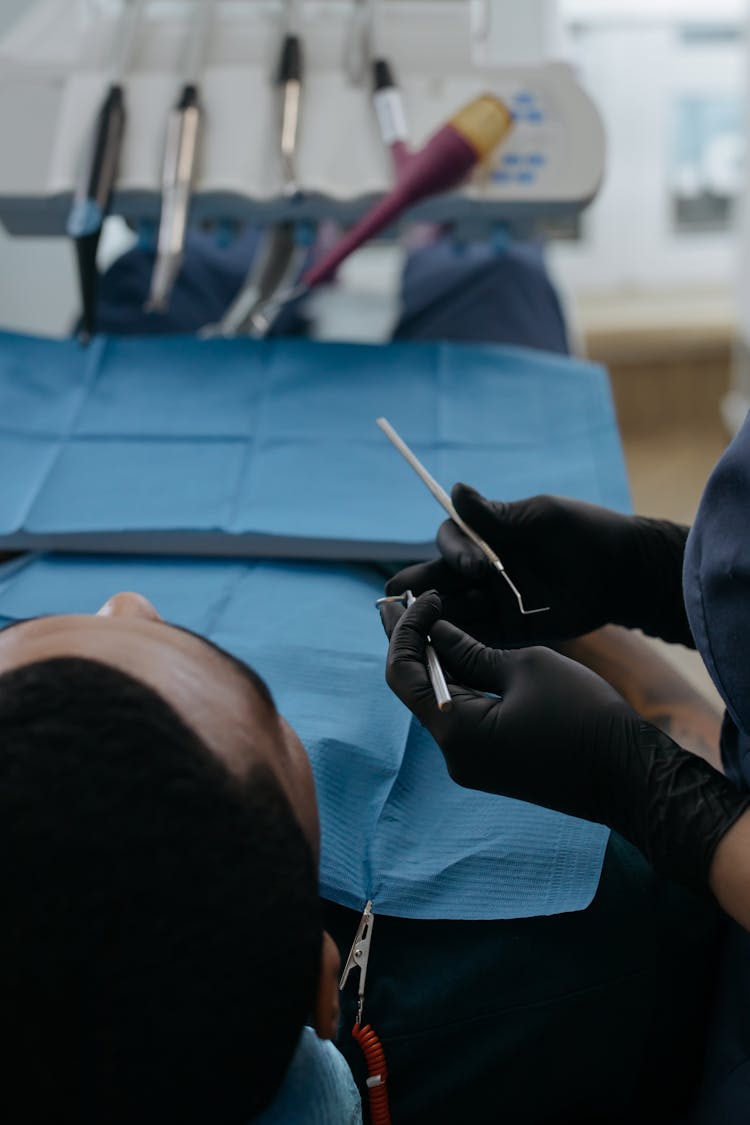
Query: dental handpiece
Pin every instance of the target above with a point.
(442, 163)
(178, 169)
(289, 82)
(179, 161)
(434, 670)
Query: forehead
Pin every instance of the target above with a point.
(214, 695)
(204, 685)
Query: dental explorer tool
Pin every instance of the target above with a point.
(434, 670)
(178, 168)
(93, 193)
(445, 502)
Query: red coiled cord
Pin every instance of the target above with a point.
(377, 1070)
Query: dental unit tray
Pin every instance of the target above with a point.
(263, 448)
(54, 73)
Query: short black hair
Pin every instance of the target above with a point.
(160, 927)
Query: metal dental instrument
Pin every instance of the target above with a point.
(445, 502)
(177, 178)
(274, 267)
(93, 194)
(358, 957)
(178, 168)
(289, 81)
(265, 312)
(434, 670)
(283, 253)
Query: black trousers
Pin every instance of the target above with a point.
(591, 1018)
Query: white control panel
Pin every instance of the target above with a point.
(53, 75)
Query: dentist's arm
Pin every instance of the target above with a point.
(653, 687)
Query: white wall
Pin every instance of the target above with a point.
(636, 71)
(37, 276)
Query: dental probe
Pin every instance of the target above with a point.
(445, 502)
(434, 670)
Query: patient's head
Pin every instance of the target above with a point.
(160, 936)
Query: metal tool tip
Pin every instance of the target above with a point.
(154, 305)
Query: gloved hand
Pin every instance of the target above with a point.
(590, 565)
(555, 734)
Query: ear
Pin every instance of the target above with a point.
(326, 1012)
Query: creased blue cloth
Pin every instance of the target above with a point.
(269, 447)
(395, 828)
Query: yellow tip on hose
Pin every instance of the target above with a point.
(483, 123)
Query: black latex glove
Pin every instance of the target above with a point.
(590, 565)
(561, 737)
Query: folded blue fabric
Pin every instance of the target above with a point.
(395, 828)
(270, 448)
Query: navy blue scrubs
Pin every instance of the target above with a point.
(716, 583)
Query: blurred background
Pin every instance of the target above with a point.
(653, 273)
